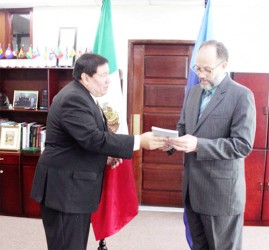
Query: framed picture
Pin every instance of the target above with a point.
(10, 137)
(26, 99)
(66, 51)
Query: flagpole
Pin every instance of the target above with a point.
(205, 33)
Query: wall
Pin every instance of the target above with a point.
(129, 22)
(241, 25)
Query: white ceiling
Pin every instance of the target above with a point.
(4, 4)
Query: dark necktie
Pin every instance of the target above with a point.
(101, 111)
(205, 101)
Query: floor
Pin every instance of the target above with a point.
(151, 229)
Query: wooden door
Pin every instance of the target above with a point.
(157, 75)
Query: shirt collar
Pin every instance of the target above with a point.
(94, 98)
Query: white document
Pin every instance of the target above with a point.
(164, 132)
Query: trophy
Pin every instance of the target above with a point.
(44, 100)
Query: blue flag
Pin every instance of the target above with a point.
(205, 33)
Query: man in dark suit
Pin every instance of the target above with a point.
(69, 174)
(216, 133)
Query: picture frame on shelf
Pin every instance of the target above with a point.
(25, 99)
(66, 51)
(10, 137)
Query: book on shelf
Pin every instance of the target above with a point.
(38, 135)
(34, 135)
(22, 126)
(42, 139)
(28, 131)
(24, 135)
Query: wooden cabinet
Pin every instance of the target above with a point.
(257, 163)
(255, 170)
(17, 169)
(265, 205)
(10, 184)
(30, 208)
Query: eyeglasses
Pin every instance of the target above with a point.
(207, 70)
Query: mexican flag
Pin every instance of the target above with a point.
(119, 202)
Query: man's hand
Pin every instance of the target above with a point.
(166, 148)
(113, 162)
(150, 142)
(185, 143)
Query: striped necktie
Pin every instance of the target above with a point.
(206, 99)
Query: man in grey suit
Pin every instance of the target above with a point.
(216, 138)
(69, 174)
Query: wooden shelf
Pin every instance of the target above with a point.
(24, 110)
(17, 168)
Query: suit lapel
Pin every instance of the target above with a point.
(195, 97)
(101, 121)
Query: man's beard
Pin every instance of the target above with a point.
(208, 86)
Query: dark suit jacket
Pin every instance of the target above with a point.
(214, 176)
(69, 173)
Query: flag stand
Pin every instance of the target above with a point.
(102, 245)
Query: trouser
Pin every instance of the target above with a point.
(214, 232)
(65, 231)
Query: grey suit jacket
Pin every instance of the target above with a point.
(214, 175)
(69, 173)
